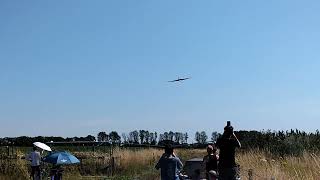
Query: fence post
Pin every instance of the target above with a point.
(250, 174)
(8, 151)
(112, 165)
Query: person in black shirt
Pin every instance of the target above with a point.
(227, 144)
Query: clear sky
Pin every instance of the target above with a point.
(77, 67)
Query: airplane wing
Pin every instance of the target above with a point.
(185, 78)
(173, 81)
(176, 80)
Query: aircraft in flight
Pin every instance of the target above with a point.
(180, 79)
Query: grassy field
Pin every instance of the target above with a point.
(137, 163)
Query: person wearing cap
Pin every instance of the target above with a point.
(227, 144)
(210, 162)
(169, 164)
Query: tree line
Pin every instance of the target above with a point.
(137, 137)
(292, 142)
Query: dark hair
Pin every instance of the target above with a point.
(168, 149)
(34, 148)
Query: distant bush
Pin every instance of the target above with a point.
(280, 143)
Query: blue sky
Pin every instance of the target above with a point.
(73, 68)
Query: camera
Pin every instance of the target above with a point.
(228, 129)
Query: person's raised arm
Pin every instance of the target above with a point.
(238, 144)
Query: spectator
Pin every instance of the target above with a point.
(169, 164)
(35, 159)
(211, 162)
(228, 169)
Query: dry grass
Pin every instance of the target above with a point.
(136, 162)
(305, 167)
(139, 164)
(13, 168)
(263, 164)
(142, 157)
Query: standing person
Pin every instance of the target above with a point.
(169, 164)
(35, 158)
(228, 169)
(211, 162)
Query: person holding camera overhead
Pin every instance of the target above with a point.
(169, 164)
(227, 143)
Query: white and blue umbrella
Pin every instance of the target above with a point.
(61, 158)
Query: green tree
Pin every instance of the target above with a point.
(214, 136)
(203, 137)
(197, 137)
(142, 136)
(102, 136)
(134, 137)
(114, 137)
(90, 138)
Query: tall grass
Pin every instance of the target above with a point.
(138, 163)
(265, 166)
(13, 169)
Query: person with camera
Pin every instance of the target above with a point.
(227, 143)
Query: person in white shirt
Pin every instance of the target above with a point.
(35, 158)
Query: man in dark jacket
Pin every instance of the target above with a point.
(227, 144)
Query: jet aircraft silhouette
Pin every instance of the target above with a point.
(180, 79)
